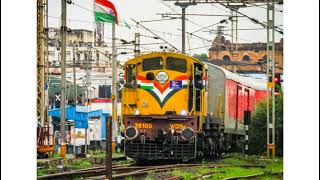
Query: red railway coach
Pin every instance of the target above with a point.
(231, 95)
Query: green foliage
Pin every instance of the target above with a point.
(202, 57)
(236, 159)
(41, 172)
(234, 171)
(80, 164)
(56, 155)
(258, 128)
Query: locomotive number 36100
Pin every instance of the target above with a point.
(143, 125)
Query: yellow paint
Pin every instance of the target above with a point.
(272, 148)
(63, 150)
(270, 84)
(45, 148)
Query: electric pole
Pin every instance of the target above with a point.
(88, 87)
(114, 75)
(270, 74)
(136, 44)
(63, 32)
(75, 96)
(40, 61)
(183, 19)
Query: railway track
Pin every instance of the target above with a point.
(136, 172)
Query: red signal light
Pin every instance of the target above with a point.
(276, 79)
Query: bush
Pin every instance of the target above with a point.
(258, 128)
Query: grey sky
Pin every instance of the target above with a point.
(142, 10)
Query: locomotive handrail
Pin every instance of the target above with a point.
(200, 117)
(124, 88)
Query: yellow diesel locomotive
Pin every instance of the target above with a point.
(162, 105)
(165, 108)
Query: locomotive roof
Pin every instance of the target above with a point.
(255, 83)
(161, 53)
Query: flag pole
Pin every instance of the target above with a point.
(114, 107)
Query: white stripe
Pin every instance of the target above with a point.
(247, 138)
(145, 84)
(103, 9)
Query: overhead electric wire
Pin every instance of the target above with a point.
(220, 22)
(154, 34)
(155, 20)
(279, 30)
(262, 6)
(178, 13)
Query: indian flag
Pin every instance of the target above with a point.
(105, 11)
(146, 84)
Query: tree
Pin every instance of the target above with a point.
(202, 56)
(258, 128)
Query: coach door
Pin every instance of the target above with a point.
(247, 112)
(238, 104)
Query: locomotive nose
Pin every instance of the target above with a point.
(131, 132)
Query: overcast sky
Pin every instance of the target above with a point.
(142, 10)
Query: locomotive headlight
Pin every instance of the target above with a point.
(184, 112)
(136, 112)
(187, 133)
(131, 132)
(162, 77)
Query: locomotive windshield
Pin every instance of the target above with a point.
(152, 64)
(176, 64)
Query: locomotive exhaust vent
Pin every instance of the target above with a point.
(187, 133)
(131, 133)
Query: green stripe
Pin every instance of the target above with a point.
(146, 87)
(102, 17)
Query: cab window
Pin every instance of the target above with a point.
(152, 64)
(176, 64)
(131, 76)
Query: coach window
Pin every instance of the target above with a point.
(152, 64)
(176, 64)
(131, 76)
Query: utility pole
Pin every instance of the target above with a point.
(40, 61)
(88, 86)
(271, 84)
(136, 44)
(46, 94)
(114, 76)
(234, 27)
(109, 148)
(75, 96)
(183, 19)
(63, 32)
